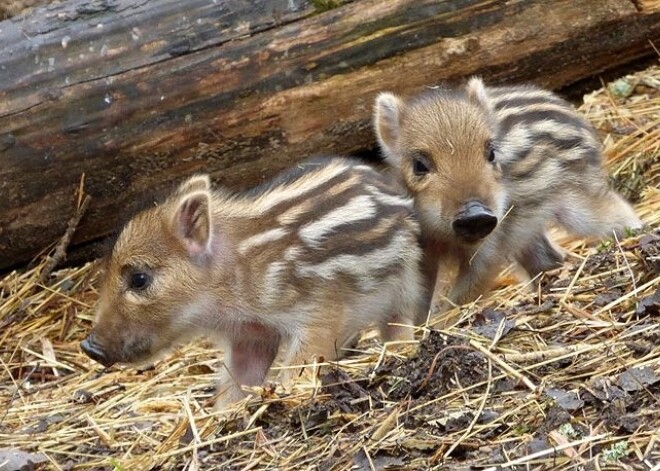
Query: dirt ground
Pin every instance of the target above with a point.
(563, 377)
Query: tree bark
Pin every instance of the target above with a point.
(137, 94)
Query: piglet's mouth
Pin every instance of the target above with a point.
(474, 222)
(93, 351)
(135, 352)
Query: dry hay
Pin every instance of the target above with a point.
(560, 378)
(12, 8)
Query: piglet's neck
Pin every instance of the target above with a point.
(221, 274)
(219, 302)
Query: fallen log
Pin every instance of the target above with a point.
(136, 94)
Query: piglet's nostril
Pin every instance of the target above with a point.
(474, 222)
(93, 351)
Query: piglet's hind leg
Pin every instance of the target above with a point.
(597, 215)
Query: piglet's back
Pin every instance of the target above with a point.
(542, 141)
(327, 220)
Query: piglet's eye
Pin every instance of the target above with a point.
(490, 152)
(421, 164)
(139, 280)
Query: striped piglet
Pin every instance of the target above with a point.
(490, 169)
(305, 261)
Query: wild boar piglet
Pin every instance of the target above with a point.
(305, 261)
(490, 168)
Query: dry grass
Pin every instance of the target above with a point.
(562, 378)
(12, 8)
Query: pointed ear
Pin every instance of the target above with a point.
(386, 121)
(191, 223)
(477, 94)
(195, 183)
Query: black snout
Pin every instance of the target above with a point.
(474, 222)
(90, 347)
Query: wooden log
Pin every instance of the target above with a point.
(136, 94)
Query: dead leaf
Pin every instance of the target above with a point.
(454, 421)
(649, 306)
(49, 352)
(363, 463)
(188, 436)
(82, 396)
(561, 440)
(630, 422)
(488, 416)
(635, 379)
(607, 297)
(603, 390)
(487, 323)
(543, 308)
(537, 444)
(12, 459)
(567, 400)
(447, 417)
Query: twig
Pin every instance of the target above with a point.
(625, 261)
(505, 367)
(546, 452)
(59, 255)
(17, 389)
(371, 463)
(551, 353)
(105, 438)
(574, 280)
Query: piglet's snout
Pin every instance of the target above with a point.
(91, 348)
(474, 222)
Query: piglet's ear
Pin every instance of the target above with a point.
(199, 182)
(387, 115)
(477, 93)
(192, 222)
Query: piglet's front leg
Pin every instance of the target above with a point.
(476, 269)
(248, 357)
(438, 259)
(539, 256)
(476, 274)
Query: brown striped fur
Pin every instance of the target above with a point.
(546, 169)
(306, 261)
